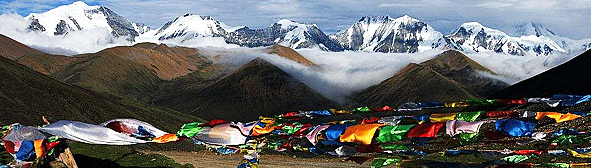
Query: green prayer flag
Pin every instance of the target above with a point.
(189, 129)
(395, 147)
(287, 129)
(381, 162)
(469, 116)
(393, 133)
(570, 139)
(516, 158)
(466, 138)
(480, 102)
(358, 110)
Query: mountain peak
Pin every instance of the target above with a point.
(190, 26)
(456, 61)
(406, 19)
(286, 23)
(476, 27)
(472, 25)
(78, 3)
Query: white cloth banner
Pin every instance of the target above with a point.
(89, 133)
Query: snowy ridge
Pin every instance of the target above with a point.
(190, 26)
(384, 34)
(285, 32)
(474, 37)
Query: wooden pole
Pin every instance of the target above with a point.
(67, 158)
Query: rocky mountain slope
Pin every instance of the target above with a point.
(385, 34)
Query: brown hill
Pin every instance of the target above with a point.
(289, 53)
(460, 68)
(258, 88)
(414, 83)
(26, 95)
(134, 71)
(13, 50)
(47, 63)
(572, 77)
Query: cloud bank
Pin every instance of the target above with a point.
(341, 74)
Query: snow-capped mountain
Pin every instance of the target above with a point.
(285, 32)
(384, 34)
(473, 36)
(190, 26)
(538, 30)
(79, 16)
(371, 33)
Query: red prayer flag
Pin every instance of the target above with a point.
(502, 114)
(213, 123)
(428, 129)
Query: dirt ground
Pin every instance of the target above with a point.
(212, 159)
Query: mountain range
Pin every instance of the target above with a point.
(371, 33)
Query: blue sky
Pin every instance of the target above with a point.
(566, 17)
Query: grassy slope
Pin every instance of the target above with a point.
(12, 49)
(460, 68)
(27, 95)
(414, 83)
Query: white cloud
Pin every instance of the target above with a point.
(494, 4)
(512, 69)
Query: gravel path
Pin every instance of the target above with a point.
(211, 159)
